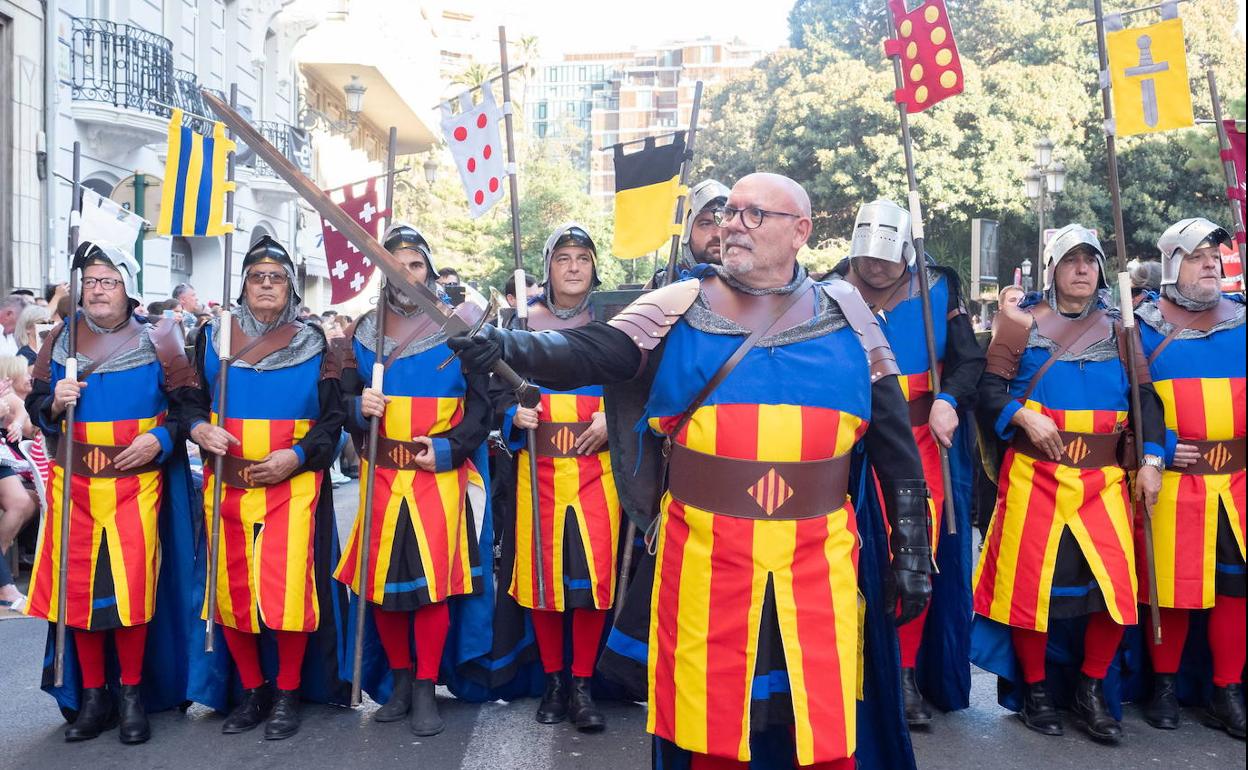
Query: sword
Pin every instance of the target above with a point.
(453, 323)
(1148, 87)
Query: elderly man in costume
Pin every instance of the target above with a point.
(1059, 546)
(1194, 341)
(284, 415)
(133, 383)
(757, 546)
(423, 548)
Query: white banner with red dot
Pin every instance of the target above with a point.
(473, 138)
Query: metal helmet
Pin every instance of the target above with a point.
(267, 250)
(401, 235)
(1066, 240)
(708, 192)
(104, 253)
(1184, 237)
(569, 233)
(882, 231)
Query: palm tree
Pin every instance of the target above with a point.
(475, 75)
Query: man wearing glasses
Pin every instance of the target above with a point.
(278, 543)
(128, 497)
(762, 384)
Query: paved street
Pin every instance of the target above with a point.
(502, 735)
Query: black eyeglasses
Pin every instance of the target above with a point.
(107, 284)
(258, 279)
(751, 216)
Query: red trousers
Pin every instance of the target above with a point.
(1226, 640)
(587, 625)
(1100, 644)
(129, 641)
(245, 650)
(429, 625)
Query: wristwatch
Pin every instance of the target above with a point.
(1154, 461)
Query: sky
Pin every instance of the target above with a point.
(590, 25)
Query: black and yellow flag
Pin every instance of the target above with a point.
(647, 184)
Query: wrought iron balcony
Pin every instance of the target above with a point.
(283, 137)
(121, 65)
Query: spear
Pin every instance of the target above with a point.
(925, 292)
(685, 165)
(71, 373)
(522, 313)
(223, 377)
(1228, 165)
(374, 430)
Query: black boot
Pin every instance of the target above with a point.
(285, 719)
(425, 720)
(400, 698)
(581, 709)
(1038, 712)
(253, 710)
(1162, 711)
(96, 713)
(134, 725)
(917, 712)
(1226, 710)
(554, 706)
(1091, 709)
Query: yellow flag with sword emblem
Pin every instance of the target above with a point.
(1148, 75)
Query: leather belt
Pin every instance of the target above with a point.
(921, 410)
(98, 461)
(1079, 450)
(558, 439)
(236, 471)
(1216, 457)
(398, 455)
(750, 489)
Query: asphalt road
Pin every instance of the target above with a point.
(504, 735)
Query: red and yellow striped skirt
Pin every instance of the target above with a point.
(711, 576)
(114, 547)
(438, 521)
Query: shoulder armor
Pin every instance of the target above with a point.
(331, 358)
(167, 339)
(43, 361)
(1010, 332)
(880, 358)
(649, 318)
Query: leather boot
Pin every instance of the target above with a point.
(581, 709)
(425, 719)
(554, 706)
(249, 713)
(1226, 710)
(1038, 712)
(285, 719)
(1162, 711)
(134, 725)
(96, 713)
(400, 698)
(1091, 709)
(917, 712)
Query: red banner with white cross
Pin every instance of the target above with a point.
(349, 269)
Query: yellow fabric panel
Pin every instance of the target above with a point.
(1167, 80)
(643, 218)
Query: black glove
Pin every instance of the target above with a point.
(477, 353)
(909, 519)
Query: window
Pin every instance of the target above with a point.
(541, 111)
(645, 100)
(180, 261)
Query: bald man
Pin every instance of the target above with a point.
(756, 573)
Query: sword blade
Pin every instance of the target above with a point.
(355, 233)
(1148, 90)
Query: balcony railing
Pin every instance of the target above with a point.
(121, 65)
(283, 137)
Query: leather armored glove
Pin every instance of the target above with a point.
(909, 543)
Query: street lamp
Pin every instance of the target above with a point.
(1026, 271)
(431, 169)
(310, 117)
(1042, 182)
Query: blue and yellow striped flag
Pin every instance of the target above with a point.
(193, 198)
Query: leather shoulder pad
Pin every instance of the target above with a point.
(43, 361)
(880, 358)
(344, 346)
(170, 346)
(331, 358)
(1010, 332)
(649, 318)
